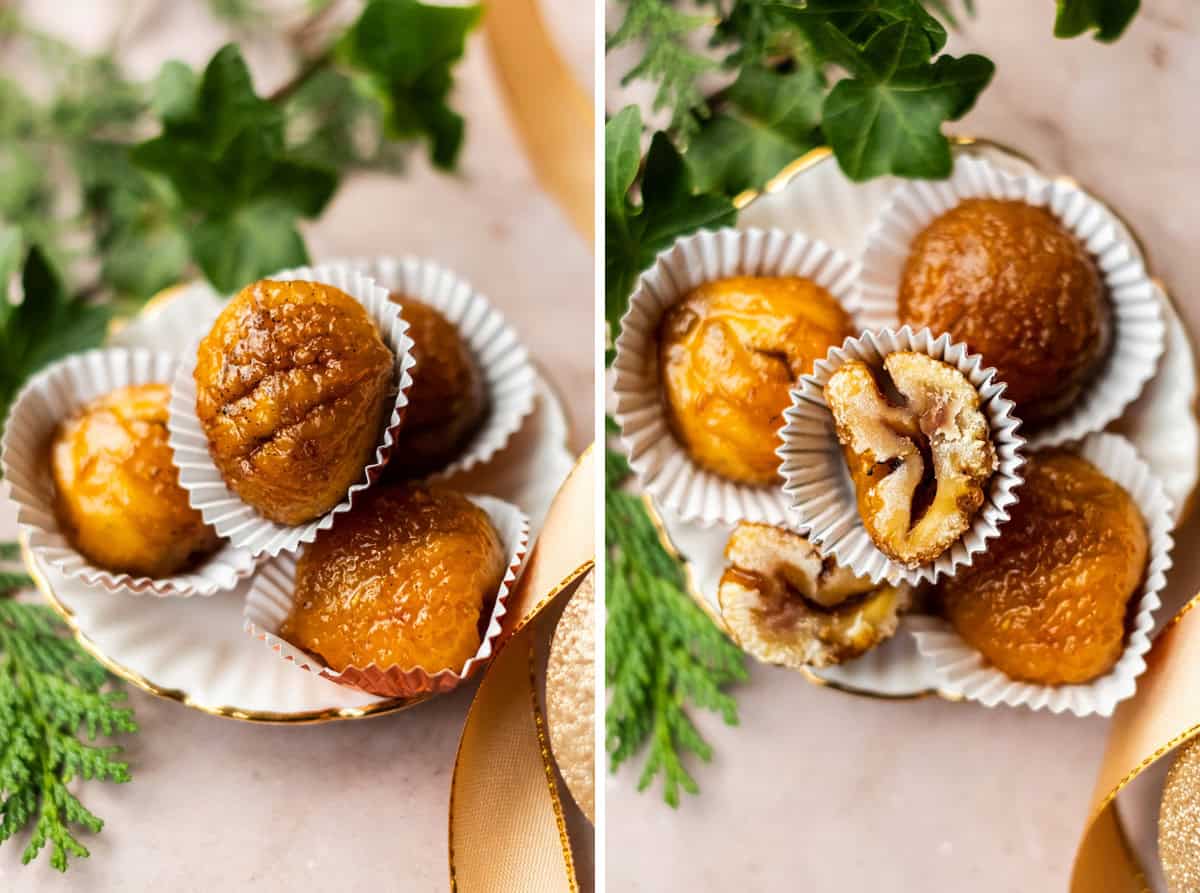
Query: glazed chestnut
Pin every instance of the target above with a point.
(293, 387)
(117, 491)
(447, 402)
(729, 353)
(1010, 281)
(1048, 601)
(405, 579)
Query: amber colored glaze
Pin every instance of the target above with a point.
(447, 402)
(729, 352)
(1011, 282)
(118, 493)
(293, 384)
(403, 580)
(1047, 602)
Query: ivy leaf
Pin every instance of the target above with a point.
(1107, 18)
(228, 150)
(759, 33)
(46, 325)
(175, 90)
(670, 208)
(829, 24)
(767, 121)
(225, 156)
(887, 118)
(137, 219)
(251, 242)
(145, 256)
(336, 118)
(409, 50)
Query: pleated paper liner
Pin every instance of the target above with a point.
(662, 464)
(1139, 331)
(817, 483)
(51, 397)
(270, 600)
(964, 671)
(501, 357)
(199, 475)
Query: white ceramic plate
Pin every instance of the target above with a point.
(815, 197)
(194, 650)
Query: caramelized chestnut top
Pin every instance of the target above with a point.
(729, 353)
(402, 580)
(293, 386)
(118, 493)
(1012, 283)
(1047, 602)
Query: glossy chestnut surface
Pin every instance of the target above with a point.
(1015, 285)
(118, 493)
(404, 579)
(293, 384)
(1048, 601)
(729, 353)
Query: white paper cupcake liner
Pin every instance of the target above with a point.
(51, 397)
(1139, 331)
(199, 475)
(817, 482)
(270, 600)
(503, 360)
(964, 671)
(661, 463)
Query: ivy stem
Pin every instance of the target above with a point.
(307, 72)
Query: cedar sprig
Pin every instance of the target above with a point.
(667, 58)
(50, 691)
(664, 653)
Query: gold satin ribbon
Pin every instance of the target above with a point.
(550, 109)
(1164, 714)
(507, 831)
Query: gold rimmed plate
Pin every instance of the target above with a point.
(194, 650)
(812, 195)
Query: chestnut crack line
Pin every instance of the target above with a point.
(776, 356)
(327, 401)
(229, 402)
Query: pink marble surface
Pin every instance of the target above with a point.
(219, 804)
(821, 791)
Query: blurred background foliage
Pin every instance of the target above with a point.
(113, 188)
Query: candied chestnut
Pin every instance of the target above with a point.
(729, 353)
(117, 491)
(447, 402)
(1012, 283)
(920, 466)
(1047, 602)
(293, 388)
(786, 605)
(405, 579)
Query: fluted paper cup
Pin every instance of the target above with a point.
(1139, 331)
(502, 359)
(50, 398)
(199, 475)
(817, 483)
(662, 464)
(964, 671)
(270, 600)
